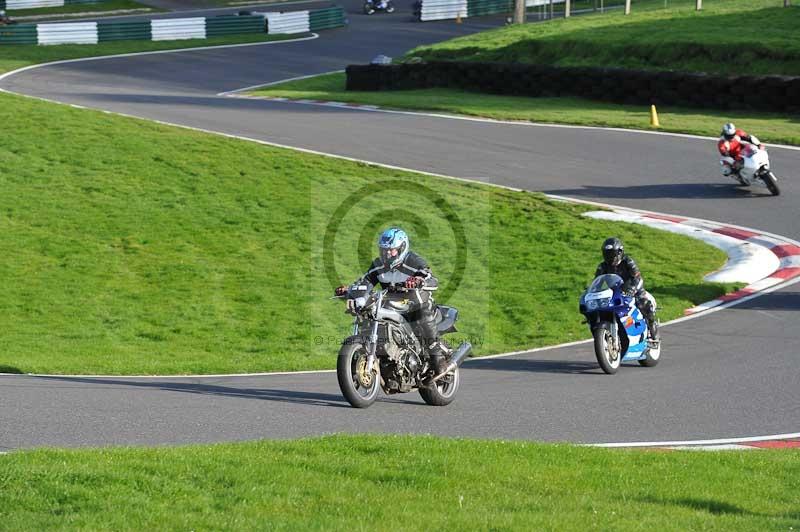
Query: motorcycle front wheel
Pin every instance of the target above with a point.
(603, 348)
(772, 183)
(358, 386)
(443, 391)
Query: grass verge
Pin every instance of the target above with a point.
(312, 484)
(109, 5)
(782, 129)
(727, 37)
(131, 247)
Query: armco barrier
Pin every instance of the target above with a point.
(233, 25)
(124, 31)
(767, 93)
(324, 19)
(18, 34)
(443, 9)
(287, 23)
(73, 32)
(173, 29)
(36, 4)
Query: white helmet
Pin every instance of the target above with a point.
(729, 131)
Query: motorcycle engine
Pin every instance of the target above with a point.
(405, 363)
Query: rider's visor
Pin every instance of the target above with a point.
(389, 253)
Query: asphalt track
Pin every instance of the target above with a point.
(728, 374)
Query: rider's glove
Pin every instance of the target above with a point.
(341, 290)
(414, 282)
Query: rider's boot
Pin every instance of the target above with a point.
(438, 357)
(430, 338)
(655, 336)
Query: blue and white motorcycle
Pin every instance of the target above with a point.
(619, 328)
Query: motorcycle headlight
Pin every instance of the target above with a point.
(591, 304)
(603, 302)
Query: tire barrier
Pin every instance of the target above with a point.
(37, 4)
(291, 22)
(764, 93)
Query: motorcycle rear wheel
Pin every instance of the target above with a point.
(443, 391)
(360, 389)
(772, 183)
(608, 360)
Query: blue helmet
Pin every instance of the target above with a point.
(393, 246)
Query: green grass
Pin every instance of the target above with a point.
(131, 247)
(727, 37)
(783, 129)
(397, 483)
(110, 5)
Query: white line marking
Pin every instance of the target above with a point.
(400, 168)
(722, 441)
(449, 116)
(419, 172)
(392, 167)
(298, 78)
(134, 54)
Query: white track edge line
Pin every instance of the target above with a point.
(419, 172)
(134, 54)
(723, 441)
(297, 78)
(454, 116)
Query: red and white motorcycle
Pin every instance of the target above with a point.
(753, 170)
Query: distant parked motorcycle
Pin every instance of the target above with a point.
(619, 328)
(755, 170)
(384, 353)
(371, 6)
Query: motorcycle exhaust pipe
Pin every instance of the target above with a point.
(456, 360)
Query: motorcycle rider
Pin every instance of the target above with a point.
(4, 19)
(616, 262)
(730, 147)
(397, 267)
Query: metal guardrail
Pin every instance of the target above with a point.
(38, 4)
(287, 23)
(73, 33)
(324, 19)
(19, 34)
(233, 25)
(292, 22)
(124, 31)
(173, 29)
(446, 9)
(443, 9)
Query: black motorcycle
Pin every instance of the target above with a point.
(371, 6)
(384, 353)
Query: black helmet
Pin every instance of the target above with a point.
(613, 251)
